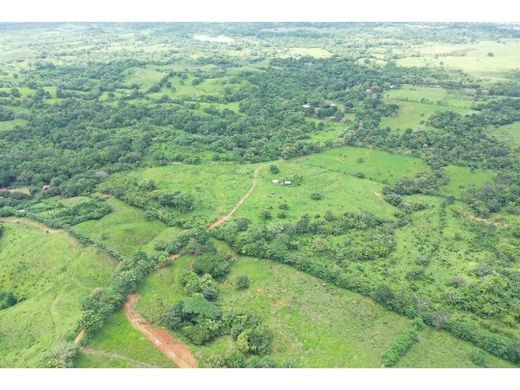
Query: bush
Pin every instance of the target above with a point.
(212, 263)
(62, 355)
(403, 344)
(315, 196)
(265, 214)
(7, 299)
(282, 214)
(274, 169)
(197, 318)
(256, 341)
(478, 357)
(242, 282)
(205, 285)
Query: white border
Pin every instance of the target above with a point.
(258, 10)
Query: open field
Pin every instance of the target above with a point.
(120, 339)
(215, 187)
(417, 104)
(51, 272)
(125, 229)
(474, 59)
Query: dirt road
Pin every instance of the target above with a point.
(224, 218)
(179, 353)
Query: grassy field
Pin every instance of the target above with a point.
(121, 340)
(373, 164)
(11, 125)
(125, 229)
(347, 331)
(52, 272)
(315, 52)
(509, 134)
(215, 187)
(144, 78)
(460, 179)
(475, 59)
(340, 193)
(436, 349)
(417, 104)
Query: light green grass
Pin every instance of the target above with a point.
(119, 337)
(461, 179)
(185, 89)
(472, 58)
(11, 125)
(144, 77)
(374, 164)
(417, 104)
(440, 349)
(125, 229)
(215, 187)
(340, 193)
(315, 52)
(509, 134)
(52, 272)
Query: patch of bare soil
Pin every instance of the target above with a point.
(179, 353)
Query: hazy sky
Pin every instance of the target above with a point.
(260, 10)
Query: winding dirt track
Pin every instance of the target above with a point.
(179, 353)
(224, 218)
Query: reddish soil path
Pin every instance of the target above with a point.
(179, 353)
(224, 218)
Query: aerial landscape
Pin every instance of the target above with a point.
(259, 195)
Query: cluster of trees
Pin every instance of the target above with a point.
(161, 205)
(98, 306)
(280, 241)
(57, 215)
(402, 344)
(502, 194)
(196, 318)
(7, 299)
(238, 360)
(201, 321)
(62, 355)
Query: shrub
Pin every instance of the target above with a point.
(62, 355)
(197, 318)
(7, 299)
(315, 196)
(242, 282)
(403, 344)
(265, 214)
(256, 341)
(212, 263)
(478, 358)
(282, 214)
(274, 169)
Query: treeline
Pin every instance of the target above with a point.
(59, 216)
(161, 205)
(102, 302)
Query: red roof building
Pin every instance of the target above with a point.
(46, 187)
